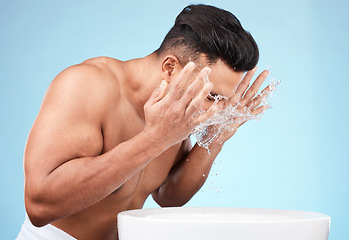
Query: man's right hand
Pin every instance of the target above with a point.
(171, 117)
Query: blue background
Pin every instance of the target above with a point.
(296, 157)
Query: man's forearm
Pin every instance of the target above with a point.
(187, 177)
(79, 183)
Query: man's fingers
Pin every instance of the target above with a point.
(256, 101)
(251, 92)
(181, 82)
(158, 93)
(259, 110)
(195, 104)
(235, 99)
(195, 87)
(245, 82)
(208, 114)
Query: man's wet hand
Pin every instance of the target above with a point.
(172, 117)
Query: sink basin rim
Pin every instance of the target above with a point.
(287, 216)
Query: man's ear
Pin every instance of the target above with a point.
(170, 67)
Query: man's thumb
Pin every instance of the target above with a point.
(158, 93)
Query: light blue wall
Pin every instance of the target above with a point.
(296, 157)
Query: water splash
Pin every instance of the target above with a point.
(206, 132)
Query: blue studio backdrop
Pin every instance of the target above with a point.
(296, 157)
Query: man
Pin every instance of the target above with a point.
(110, 133)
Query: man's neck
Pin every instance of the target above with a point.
(143, 76)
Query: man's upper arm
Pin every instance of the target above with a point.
(68, 124)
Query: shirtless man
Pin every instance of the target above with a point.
(110, 133)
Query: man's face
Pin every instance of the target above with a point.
(225, 82)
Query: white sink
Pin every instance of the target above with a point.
(222, 224)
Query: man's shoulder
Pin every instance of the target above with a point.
(99, 70)
(92, 85)
(97, 75)
(102, 63)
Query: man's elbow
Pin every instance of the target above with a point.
(166, 201)
(175, 203)
(172, 203)
(38, 212)
(37, 215)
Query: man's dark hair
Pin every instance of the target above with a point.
(216, 33)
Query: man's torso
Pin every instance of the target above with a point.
(121, 123)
